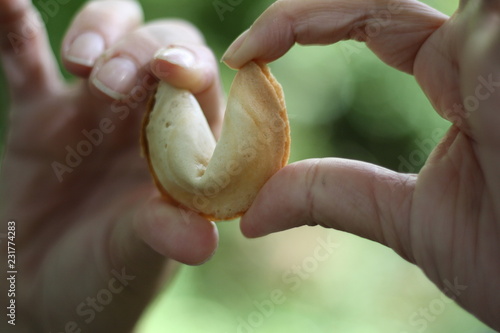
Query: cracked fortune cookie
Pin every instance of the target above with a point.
(218, 180)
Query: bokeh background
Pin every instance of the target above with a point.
(342, 102)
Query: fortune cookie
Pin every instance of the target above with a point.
(218, 180)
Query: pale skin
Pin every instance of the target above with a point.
(446, 219)
(106, 214)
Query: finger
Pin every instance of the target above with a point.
(193, 67)
(160, 228)
(360, 198)
(480, 86)
(96, 27)
(394, 30)
(190, 65)
(125, 64)
(25, 53)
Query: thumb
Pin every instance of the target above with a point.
(360, 198)
(157, 227)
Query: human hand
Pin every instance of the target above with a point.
(90, 224)
(446, 219)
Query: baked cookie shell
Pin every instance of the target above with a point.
(217, 180)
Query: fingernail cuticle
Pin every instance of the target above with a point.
(179, 56)
(116, 78)
(85, 49)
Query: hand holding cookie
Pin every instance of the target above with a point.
(218, 180)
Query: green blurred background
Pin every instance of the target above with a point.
(342, 102)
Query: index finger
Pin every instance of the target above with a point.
(352, 196)
(394, 30)
(97, 26)
(22, 36)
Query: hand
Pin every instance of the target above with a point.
(92, 233)
(446, 219)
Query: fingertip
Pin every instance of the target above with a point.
(175, 233)
(205, 240)
(116, 78)
(177, 56)
(80, 54)
(283, 203)
(250, 227)
(278, 206)
(269, 37)
(97, 25)
(192, 68)
(212, 242)
(232, 56)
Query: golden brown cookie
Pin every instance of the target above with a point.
(219, 180)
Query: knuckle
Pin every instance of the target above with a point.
(313, 182)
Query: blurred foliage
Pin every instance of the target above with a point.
(342, 102)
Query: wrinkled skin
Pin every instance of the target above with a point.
(104, 217)
(446, 219)
(78, 231)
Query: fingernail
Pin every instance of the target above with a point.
(85, 49)
(116, 78)
(234, 47)
(179, 56)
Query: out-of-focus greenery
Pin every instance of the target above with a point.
(342, 102)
